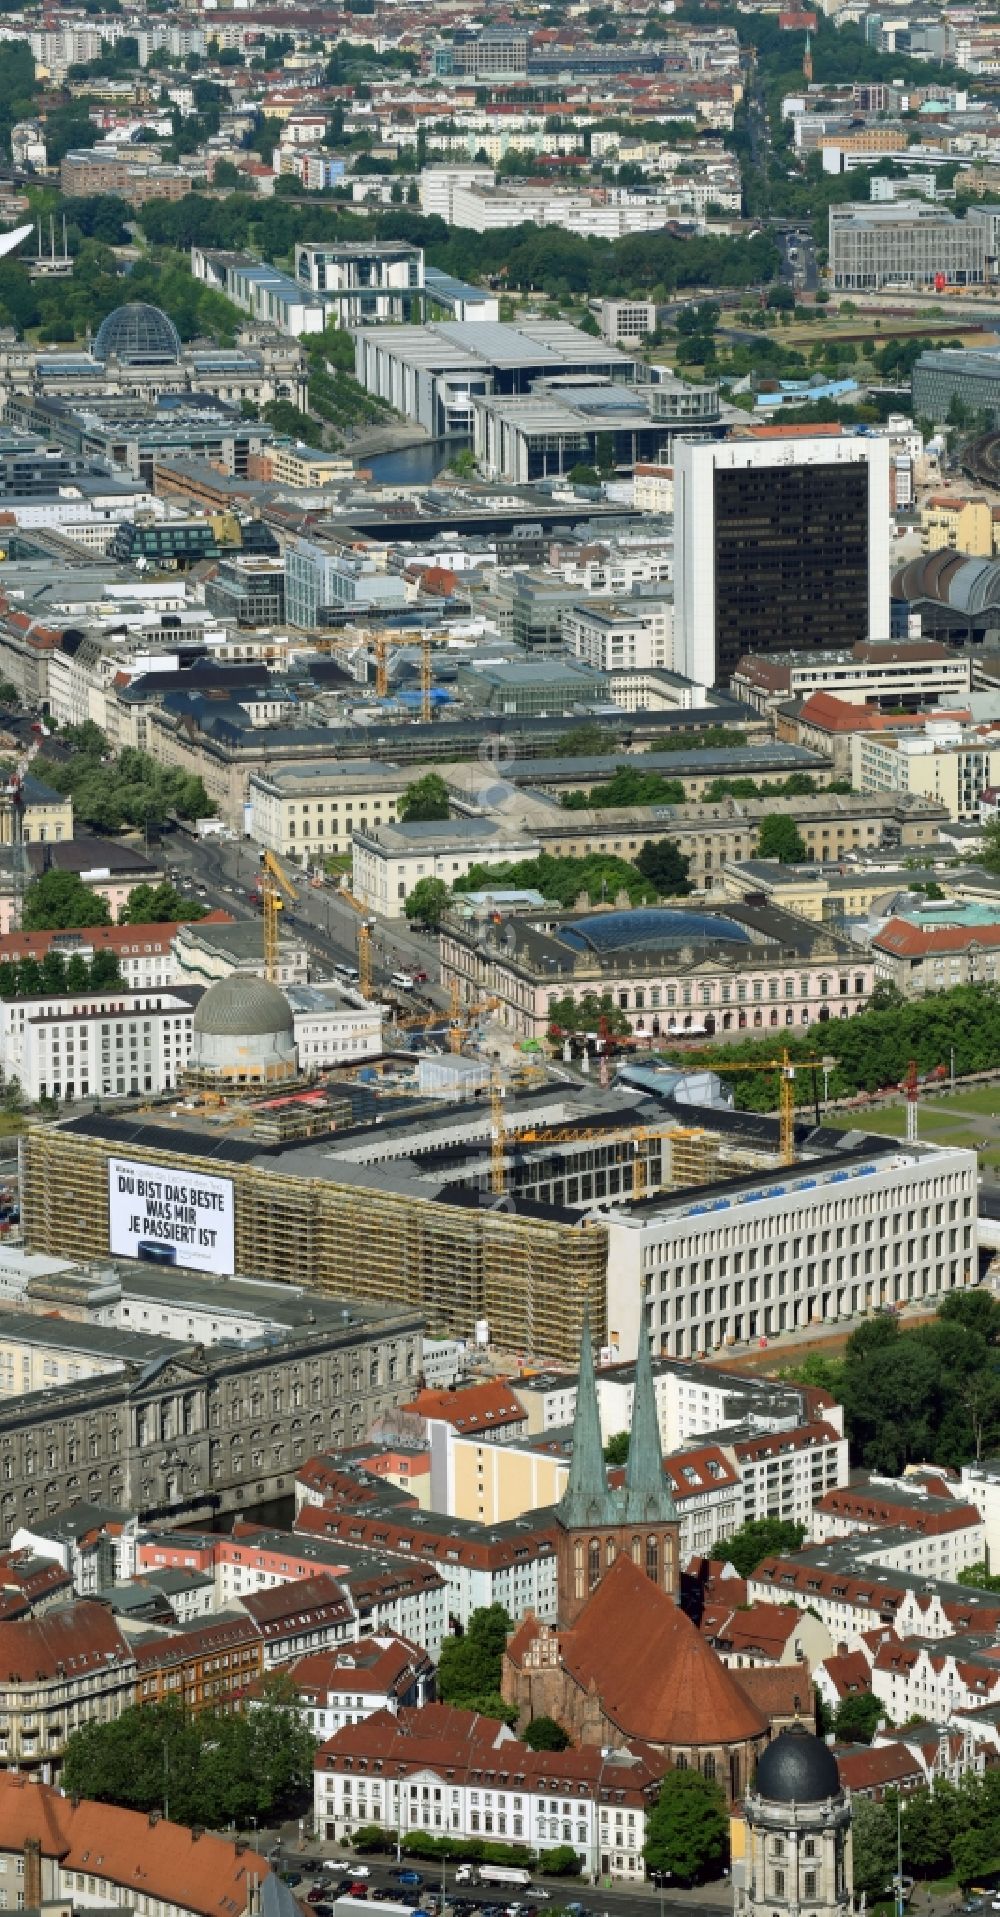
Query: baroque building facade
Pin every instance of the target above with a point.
(202, 1428)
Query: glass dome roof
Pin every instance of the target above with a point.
(649, 927)
(138, 335)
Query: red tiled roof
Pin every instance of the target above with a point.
(77, 1638)
(126, 941)
(679, 1692)
(480, 1407)
(904, 940)
(876, 1766)
(150, 1857)
(838, 715)
(848, 1672)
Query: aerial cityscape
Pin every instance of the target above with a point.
(499, 958)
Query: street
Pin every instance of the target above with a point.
(311, 1856)
(326, 923)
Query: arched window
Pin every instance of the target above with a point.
(680, 1762)
(594, 1563)
(578, 1570)
(653, 1559)
(708, 1767)
(637, 1551)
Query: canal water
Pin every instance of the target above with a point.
(416, 465)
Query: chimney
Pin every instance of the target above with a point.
(33, 1873)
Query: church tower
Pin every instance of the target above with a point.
(597, 1522)
(807, 60)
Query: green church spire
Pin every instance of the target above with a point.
(587, 1498)
(648, 1498)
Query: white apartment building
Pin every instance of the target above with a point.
(309, 811)
(653, 488)
(933, 1681)
(637, 633)
(331, 1031)
(438, 185)
(948, 761)
(794, 1247)
(855, 1589)
(389, 860)
(785, 1473)
(403, 1775)
(778, 538)
(884, 673)
(97, 1045)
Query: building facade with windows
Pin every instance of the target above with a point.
(671, 971)
(310, 811)
(455, 1774)
(782, 542)
(832, 1238)
(98, 1045)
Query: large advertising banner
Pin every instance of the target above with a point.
(168, 1217)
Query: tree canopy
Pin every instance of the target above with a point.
(428, 902)
(662, 862)
(214, 1767)
(469, 1666)
(55, 973)
(758, 1539)
(687, 1829)
(60, 901)
(931, 1393)
(112, 794)
(426, 798)
(160, 905)
(600, 875)
(779, 838)
(544, 1734)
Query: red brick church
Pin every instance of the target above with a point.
(624, 1663)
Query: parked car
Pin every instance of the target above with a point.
(291, 1877)
(315, 1895)
(358, 1889)
(418, 975)
(359, 1870)
(406, 1876)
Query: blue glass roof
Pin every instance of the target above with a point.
(649, 927)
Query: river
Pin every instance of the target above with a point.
(416, 465)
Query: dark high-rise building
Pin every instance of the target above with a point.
(781, 544)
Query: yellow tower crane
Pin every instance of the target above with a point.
(786, 1090)
(638, 1134)
(274, 882)
(365, 923)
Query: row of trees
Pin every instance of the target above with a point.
(112, 793)
(951, 1829)
(210, 1767)
(631, 786)
(873, 1049)
(46, 977)
(62, 902)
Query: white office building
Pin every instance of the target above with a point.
(97, 1044)
(614, 634)
(762, 1255)
(780, 544)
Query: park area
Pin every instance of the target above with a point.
(970, 1118)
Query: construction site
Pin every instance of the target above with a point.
(491, 1216)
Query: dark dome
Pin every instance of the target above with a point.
(650, 927)
(243, 1006)
(138, 335)
(797, 1768)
